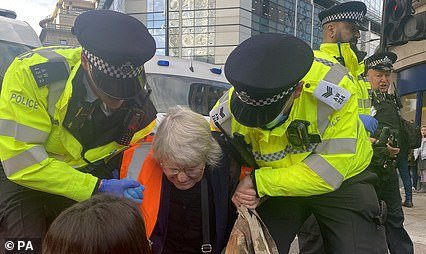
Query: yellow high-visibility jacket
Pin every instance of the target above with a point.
(364, 102)
(329, 102)
(356, 70)
(35, 149)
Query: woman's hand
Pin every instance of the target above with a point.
(245, 194)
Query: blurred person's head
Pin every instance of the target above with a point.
(184, 146)
(343, 32)
(423, 130)
(103, 224)
(343, 22)
(379, 67)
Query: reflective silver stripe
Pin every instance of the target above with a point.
(325, 170)
(323, 111)
(25, 159)
(337, 146)
(52, 56)
(138, 158)
(281, 154)
(360, 103)
(367, 103)
(22, 132)
(364, 103)
(336, 73)
(55, 88)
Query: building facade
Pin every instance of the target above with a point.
(57, 28)
(410, 75)
(208, 30)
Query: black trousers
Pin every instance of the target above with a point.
(345, 218)
(25, 212)
(309, 237)
(398, 240)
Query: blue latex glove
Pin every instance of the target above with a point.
(135, 194)
(118, 188)
(370, 123)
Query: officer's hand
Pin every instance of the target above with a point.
(393, 151)
(370, 123)
(373, 140)
(245, 194)
(119, 187)
(135, 194)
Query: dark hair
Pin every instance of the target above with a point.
(103, 224)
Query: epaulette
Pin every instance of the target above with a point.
(49, 72)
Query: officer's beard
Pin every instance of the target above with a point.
(360, 55)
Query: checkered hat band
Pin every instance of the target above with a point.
(126, 70)
(350, 15)
(383, 61)
(244, 97)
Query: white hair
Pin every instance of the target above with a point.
(184, 138)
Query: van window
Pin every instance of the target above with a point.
(203, 96)
(16, 37)
(8, 52)
(197, 94)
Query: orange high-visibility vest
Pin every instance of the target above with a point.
(150, 176)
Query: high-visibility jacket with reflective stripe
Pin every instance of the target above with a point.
(364, 101)
(351, 62)
(344, 151)
(36, 151)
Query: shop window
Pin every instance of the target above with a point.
(423, 118)
(408, 110)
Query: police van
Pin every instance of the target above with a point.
(16, 37)
(175, 81)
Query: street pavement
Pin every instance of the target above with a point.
(415, 224)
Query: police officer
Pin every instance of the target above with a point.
(65, 116)
(386, 110)
(341, 30)
(307, 140)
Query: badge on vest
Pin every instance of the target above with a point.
(49, 72)
(221, 113)
(331, 94)
(373, 111)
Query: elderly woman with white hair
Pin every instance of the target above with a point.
(188, 186)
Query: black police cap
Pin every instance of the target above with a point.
(351, 12)
(264, 71)
(381, 61)
(116, 45)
